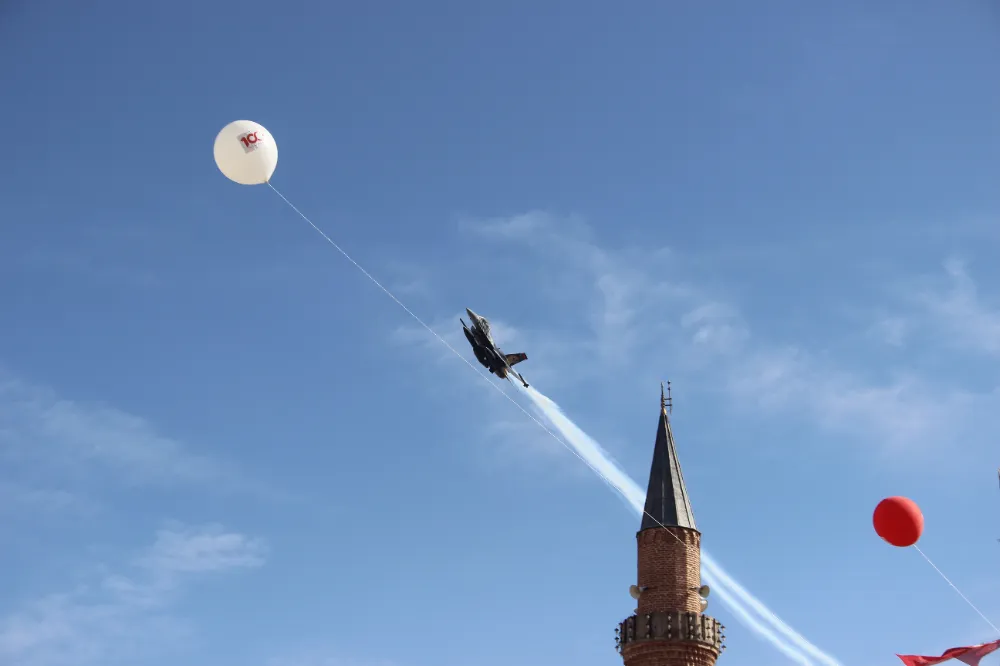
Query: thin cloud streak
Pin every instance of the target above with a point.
(182, 550)
(119, 615)
(36, 423)
(957, 310)
(711, 339)
(20, 497)
(58, 441)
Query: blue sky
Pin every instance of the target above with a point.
(222, 445)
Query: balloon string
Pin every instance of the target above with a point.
(495, 385)
(954, 587)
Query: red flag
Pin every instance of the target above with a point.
(967, 655)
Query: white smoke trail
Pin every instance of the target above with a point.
(723, 592)
(710, 565)
(733, 594)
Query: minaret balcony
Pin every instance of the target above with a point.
(671, 627)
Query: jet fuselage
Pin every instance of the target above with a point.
(489, 355)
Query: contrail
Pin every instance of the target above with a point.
(733, 594)
(749, 620)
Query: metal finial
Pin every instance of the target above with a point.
(666, 402)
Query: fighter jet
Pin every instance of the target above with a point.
(487, 353)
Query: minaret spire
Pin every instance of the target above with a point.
(667, 501)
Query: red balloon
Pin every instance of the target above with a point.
(899, 521)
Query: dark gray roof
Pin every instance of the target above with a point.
(666, 495)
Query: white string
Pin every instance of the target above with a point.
(445, 343)
(954, 587)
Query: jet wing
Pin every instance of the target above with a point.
(514, 359)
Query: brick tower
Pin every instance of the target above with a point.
(668, 628)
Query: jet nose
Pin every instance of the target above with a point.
(472, 315)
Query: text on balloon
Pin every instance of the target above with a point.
(249, 141)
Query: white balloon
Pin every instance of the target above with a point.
(246, 153)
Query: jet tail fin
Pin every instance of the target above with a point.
(514, 359)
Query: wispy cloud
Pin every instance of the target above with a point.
(124, 614)
(955, 308)
(623, 309)
(406, 278)
(20, 497)
(891, 330)
(645, 307)
(513, 440)
(179, 549)
(70, 441)
(904, 412)
(447, 328)
(716, 326)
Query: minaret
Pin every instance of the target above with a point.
(669, 628)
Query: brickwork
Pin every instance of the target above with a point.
(669, 628)
(669, 567)
(668, 654)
